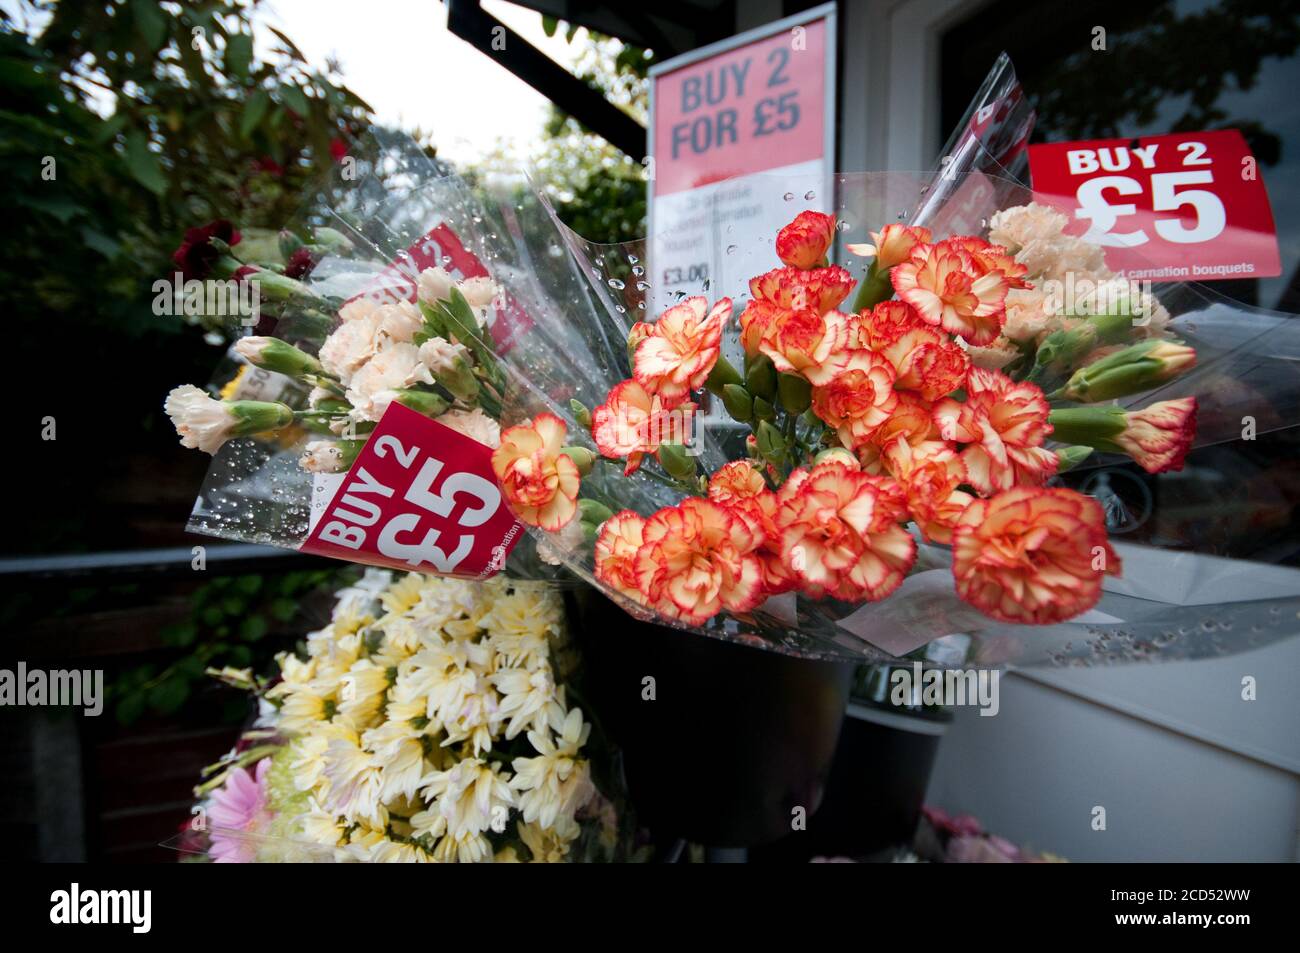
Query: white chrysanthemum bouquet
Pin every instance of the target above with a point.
(428, 722)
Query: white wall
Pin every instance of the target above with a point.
(1186, 769)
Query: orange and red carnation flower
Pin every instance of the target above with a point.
(1159, 436)
(1003, 424)
(927, 362)
(539, 482)
(804, 242)
(740, 487)
(677, 355)
(912, 419)
(951, 290)
(697, 559)
(894, 244)
(617, 544)
(882, 325)
(840, 532)
(989, 257)
(1032, 555)
(784, 290)
(930, 474)
(858, 399)
(633, 422)
(809, 344)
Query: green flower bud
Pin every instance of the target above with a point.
(771, 445)
(258, 416)
(677, 463)
(332, 239)
(426, 402)
(591, 511)
(581, 456)
(1129, 371)
(276, 287)
(580, 413)
(875, 288)
(796, 393)
(272, 354)
(289, 243)
(738, 403)
(763, 410)
(760, 380)
(1070, 457)
(721, 375)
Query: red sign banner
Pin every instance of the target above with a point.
(760, 106)
(420, 497)
(1190, 206)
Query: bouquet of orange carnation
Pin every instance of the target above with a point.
(866, 419)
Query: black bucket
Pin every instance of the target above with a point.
(723, 744)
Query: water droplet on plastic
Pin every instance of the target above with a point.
(810, 195)
(731, 249)
(789, 196)
(616, 284)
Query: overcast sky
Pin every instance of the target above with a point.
(399, 57)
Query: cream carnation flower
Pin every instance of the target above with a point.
(995, 356)
(479, 292)
(435, 285)
(442, 356)
(1054, 259)
(322, 456)
(1013, 228)
(554, 547)
(372, 387)
(202, 422)
(399, 321)
(351, 344)
(1029, 312)
(474, 424)
(358, 309)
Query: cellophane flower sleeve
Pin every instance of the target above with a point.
(1196, 581)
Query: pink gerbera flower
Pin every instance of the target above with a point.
(238, 807)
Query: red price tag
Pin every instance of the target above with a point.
(1183, 207)
(757, 107)
(420, 497)
(441, 246)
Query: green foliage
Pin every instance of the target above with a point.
(600, 192)
(229, 624)
(127, 122)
